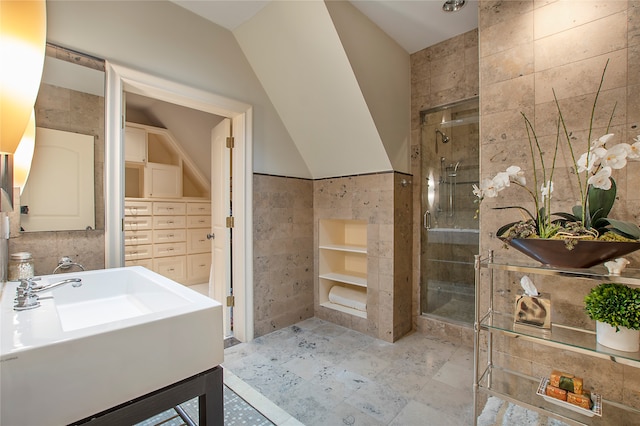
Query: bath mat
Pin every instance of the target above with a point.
(497, 412)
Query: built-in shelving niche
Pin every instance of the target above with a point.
(343, 265)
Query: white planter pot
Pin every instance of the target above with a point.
(624, 340)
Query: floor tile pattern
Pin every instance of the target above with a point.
(325, 374)
(236, 413)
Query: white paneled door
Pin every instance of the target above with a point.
(220, 277)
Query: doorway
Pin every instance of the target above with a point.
(121, 80)
(449, 234)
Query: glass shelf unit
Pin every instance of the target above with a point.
(521, 389)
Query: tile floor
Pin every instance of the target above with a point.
(324, 374)
(237, 412)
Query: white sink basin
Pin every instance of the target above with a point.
(124, 333)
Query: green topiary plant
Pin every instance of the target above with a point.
(615, 304)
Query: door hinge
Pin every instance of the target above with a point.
(230, 142)
(231, 301)
(230, 222)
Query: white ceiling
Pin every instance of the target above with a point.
(413, 24)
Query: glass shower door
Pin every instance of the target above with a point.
(449, 235)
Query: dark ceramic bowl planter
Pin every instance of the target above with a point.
(584, 254)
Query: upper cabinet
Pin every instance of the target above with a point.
(135, 145)
(157, 167)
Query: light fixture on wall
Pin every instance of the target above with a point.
(24, 154)
(23, 33)
(453, 5)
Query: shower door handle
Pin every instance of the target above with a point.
(426, 220)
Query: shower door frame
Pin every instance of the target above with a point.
(428, 207)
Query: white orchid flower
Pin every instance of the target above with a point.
(546, 189)
(616, 156)
(476, 191)
(516, 174)
(634, 151)
(501, 181)
(487, 189)
(601, 179)
(601, 141)
(590, 160)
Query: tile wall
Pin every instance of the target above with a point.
(384, 201)
(286, 213)
(441, 74)
(526, 49)
(283, 251)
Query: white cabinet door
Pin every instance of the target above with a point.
(135, 145)
(162, 181)
(60, 189)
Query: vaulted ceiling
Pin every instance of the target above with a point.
(413, 24)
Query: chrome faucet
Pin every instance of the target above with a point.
(77, 282)
(26, 297)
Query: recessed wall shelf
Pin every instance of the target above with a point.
(342, 262)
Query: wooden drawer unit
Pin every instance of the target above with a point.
(147, 263)
(142, 251)
(169, 249)
(169, 222)
(137, 208)
(168, 208)
(174, 267)
(197, 241)
(132, 238)
(137, 223)
(198, 267)
(199, 222)
(169, 236)
(199, 208)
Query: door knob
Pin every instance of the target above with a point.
(211, 236)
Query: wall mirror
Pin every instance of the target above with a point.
(65, 188)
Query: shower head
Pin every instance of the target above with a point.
(443, 136)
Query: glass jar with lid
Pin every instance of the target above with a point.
(20, 266)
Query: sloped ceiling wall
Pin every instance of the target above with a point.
(298, 56)
(383, 70)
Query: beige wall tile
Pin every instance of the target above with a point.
(514, 94)
(591, 39)
(516, 30)
(559, 16)
(283, 252)
(507, 64)
(570, 53)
